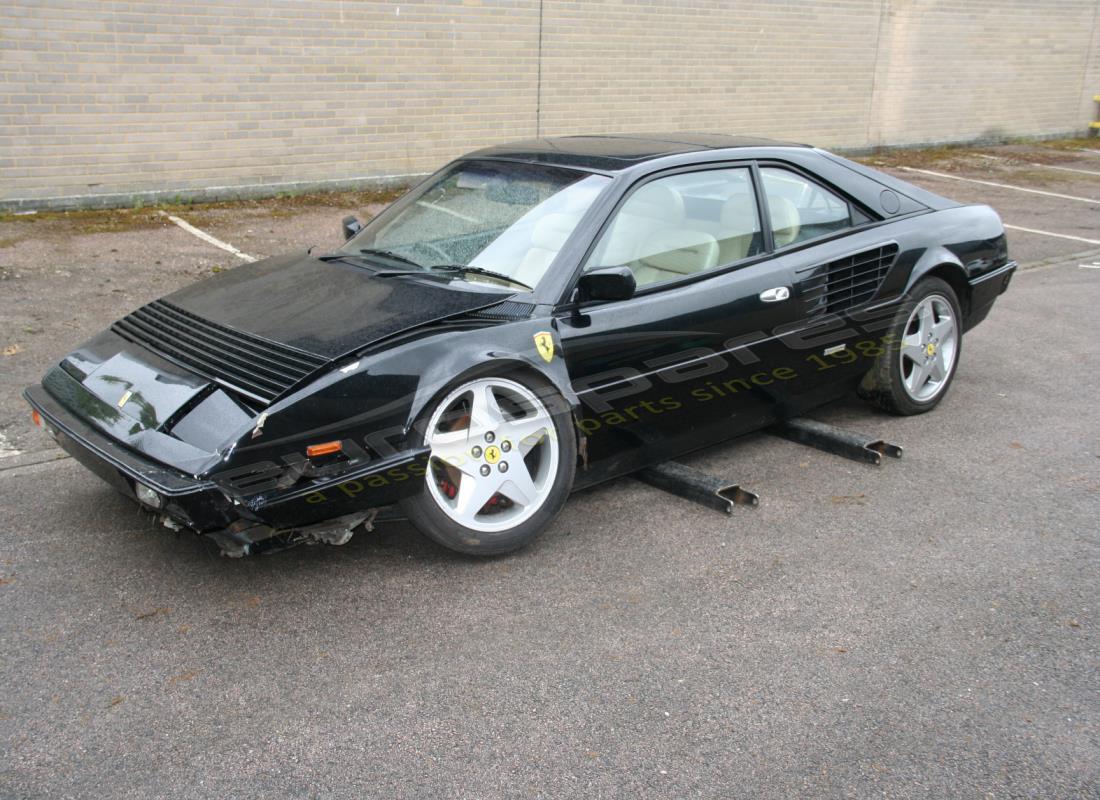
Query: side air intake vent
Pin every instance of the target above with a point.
(256, 368)
(505, 312)
(849, 281)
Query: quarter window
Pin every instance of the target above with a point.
(682, 225)
(800, 209)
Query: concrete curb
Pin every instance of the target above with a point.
(1054, 261)
(208, 194)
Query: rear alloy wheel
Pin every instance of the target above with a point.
(913, 375)
(501, 465)
(928, 348)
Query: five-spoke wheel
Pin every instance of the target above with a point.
(500, 465)
(494, 454)
(928, 347)
(913, 376)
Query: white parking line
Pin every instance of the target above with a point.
(1046, 166)
(1068, 169)
(1055, 235)
(1003, 186)
(206, 237)
(1093, 265)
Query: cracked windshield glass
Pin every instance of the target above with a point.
(499, 217)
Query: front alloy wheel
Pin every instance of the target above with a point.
(500, 466)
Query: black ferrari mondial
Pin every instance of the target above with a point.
(531, 319)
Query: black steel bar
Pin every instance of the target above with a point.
(697, 486)
(856, 446)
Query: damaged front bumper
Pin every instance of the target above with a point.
(320, 511)
(197, 504)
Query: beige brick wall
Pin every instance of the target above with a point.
(105, 98)
(963, 70)
(799, 70)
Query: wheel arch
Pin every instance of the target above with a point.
(503, 365)
(939, 262)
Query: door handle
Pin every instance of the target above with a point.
(776, 294)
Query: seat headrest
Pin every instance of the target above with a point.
(739, 216)
(551, 231)
(786, 221)
(656, 201)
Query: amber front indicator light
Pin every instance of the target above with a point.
(37, 418)
(326, 449)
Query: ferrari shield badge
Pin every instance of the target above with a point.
(544, 343)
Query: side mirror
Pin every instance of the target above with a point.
(351, 226)
(607, 283)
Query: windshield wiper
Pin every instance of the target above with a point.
(389, 273)
(479, 271)
(373, 251)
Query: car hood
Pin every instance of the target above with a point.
(326, 308)
(167, 380)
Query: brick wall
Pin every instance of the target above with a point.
(105, 100)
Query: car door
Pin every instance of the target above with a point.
(838, 260)
(690, 358)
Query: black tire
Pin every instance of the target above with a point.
(884, 385)
(426, 514)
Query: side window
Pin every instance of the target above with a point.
(681, 225)
(800, 209)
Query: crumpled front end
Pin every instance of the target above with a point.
(173, 441)
(203, 405)
(240, 522)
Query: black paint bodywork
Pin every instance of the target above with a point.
(679, 366)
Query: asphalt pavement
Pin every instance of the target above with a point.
(923, 629)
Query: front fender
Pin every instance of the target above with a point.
(496, 350)
(374, 400)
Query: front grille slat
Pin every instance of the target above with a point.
(200, 365)
(848, 282)
(257, 368)
(289, 355)
(182, 350)
(236, 355)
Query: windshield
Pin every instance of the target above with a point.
(497, 217)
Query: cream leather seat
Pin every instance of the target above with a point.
(654, 207)
(786, 221)
(737, 226)
(547, 239)
(670, 253)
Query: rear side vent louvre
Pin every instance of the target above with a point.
(256, 368)
(847, 282)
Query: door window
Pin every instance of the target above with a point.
(801, 209)
(682, 225)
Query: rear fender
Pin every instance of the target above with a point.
(941, 263)
(970, 242)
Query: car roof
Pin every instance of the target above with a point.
(616, 152)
